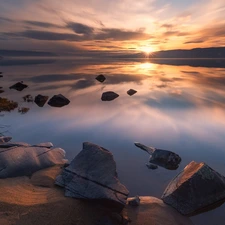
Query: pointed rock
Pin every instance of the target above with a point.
(58, 101)
(131, 92)
(101, 78)
(40, 100)
(92, 175)
(24, 160)
(18, 86)
(196, 189)
(109, 96)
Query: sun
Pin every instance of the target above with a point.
(148, 50)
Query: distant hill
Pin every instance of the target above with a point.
(16, 53)
(217, 52)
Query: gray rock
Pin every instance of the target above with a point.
(92, 175)
(19, 86)
(58, 101)
(163, 158)
(109, 96)
(131, 92)
(196, 189)
(135, 201)
(4, 139)
(20, 160)
(101, 78)
(40, 100)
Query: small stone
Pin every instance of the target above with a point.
(152, 166)
(19, 86)
(109, 96)
(40, 100)
(131, 92)
(28, 98)
(58, 101)
(101, 78)
(135, 201)
(4, 139)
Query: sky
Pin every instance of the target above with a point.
(111, 25)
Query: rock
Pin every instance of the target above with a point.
(28, 98)
(135, 201)
(153, 211)
(163, 158)
(46, 177)
(19, 86)
(46, 145)
(152, 166)
(58, 101)
(92, 175)
(24, 160)
(4, 139)
(23, 110)
(195, 189)
(109, 96)
(40, 100)
(101, 78)
(131, 92)
(7, 105)
(1, 91)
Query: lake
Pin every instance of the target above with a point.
(179, 106)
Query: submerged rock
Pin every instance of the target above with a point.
(109, 96)
(152, 166)
(19, 86)
(40, 100)
(21, 159)
(58, 101)
(196, 189)
(101, 78)
(131, 92)
(92, 175)
(152, 211)
(163, 158)
(23, 110)
(28, 98)
(7, 105)
(4, 139)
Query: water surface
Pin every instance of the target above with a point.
(177, 107)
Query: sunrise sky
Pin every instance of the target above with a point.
(111, 25)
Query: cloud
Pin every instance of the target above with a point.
(4, 19)
(42, 24)
(195, 41)
(80, 28)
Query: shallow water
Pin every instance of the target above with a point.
(178, 108)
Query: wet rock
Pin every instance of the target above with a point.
(19, 86)
(1, 91)
(40, 100)
(101, 78)
(109, 96)
(46, 145)
(196, 189)
(28, 98)
(58, 101)
(92, 175)
(152, 166)
(25, 160)
(131, 92)
(163, 158)
(4, 139)
(135, 201)
(153, 211)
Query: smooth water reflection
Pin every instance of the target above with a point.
(179, 108)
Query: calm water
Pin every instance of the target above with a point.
(179, 108)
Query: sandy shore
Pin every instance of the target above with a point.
(37, 201)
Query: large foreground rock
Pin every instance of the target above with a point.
(92, 175)
(196, 189)
(58, 101)
(153, 211)
(22, 159)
